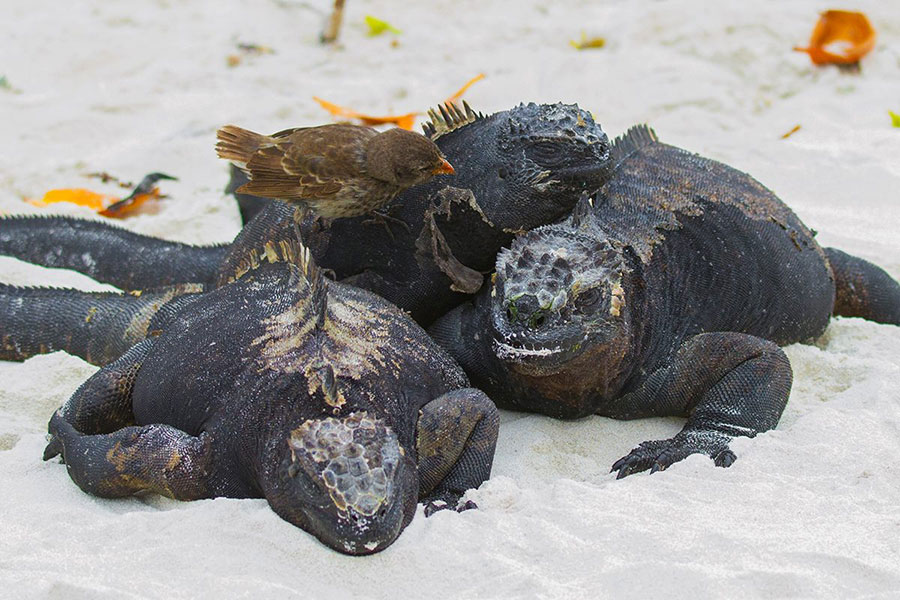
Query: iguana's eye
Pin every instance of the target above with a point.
(546, 153)
(589, 299)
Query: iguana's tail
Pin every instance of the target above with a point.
(863, 289)
(107, 253)
(96, 326)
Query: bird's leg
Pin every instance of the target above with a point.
(383, 217)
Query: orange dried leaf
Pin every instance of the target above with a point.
(404, 121)
(793, 130)
(452, 99)
(79, 196)
(840, 37)
(129, 205)
(102, 204)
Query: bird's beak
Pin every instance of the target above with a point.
(444, 169)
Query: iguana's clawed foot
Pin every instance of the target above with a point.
(661, 454)
(447, 503)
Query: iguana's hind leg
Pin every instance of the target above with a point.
(455, 440)
(863, 289)
(96, 326)
(727, 384)
(107, 455)
(107, 253)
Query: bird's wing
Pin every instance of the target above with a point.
(309, 163)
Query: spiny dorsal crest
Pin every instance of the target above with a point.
(449, 117)
(637, 137)
(287, 251)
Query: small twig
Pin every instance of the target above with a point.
(794, 130)
(333, 26)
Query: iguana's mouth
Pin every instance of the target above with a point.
(530, 356)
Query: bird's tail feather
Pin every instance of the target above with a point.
(237, 144)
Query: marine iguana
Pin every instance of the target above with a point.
(515, 170)
(665, 294)
(326, 400)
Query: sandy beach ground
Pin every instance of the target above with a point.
(811, 509)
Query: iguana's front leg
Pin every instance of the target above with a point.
(727, 384)
(455, 439)
(155, 458)
(107, 455)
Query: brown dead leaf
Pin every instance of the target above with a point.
(840, 37)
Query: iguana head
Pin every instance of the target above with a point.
(559, 306)
(528, 165)
(347, 481)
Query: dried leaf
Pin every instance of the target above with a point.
(895, 118)
(377, 26)
(406, 121)
(105, 177)
(586, 42)
(452, 99)
(793, 130)
(6, 86)
(79, 196)
(233, 60)
(255, 49)
(104, 204)
(840, 37)
(403, 121)
(129, 205)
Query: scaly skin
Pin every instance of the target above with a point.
(95, 326)
(324, 399)
(666, 294)
(108, 253)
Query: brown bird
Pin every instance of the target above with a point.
(337, 170)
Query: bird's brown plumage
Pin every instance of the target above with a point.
(337, 170)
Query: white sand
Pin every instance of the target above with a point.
(811, 509)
